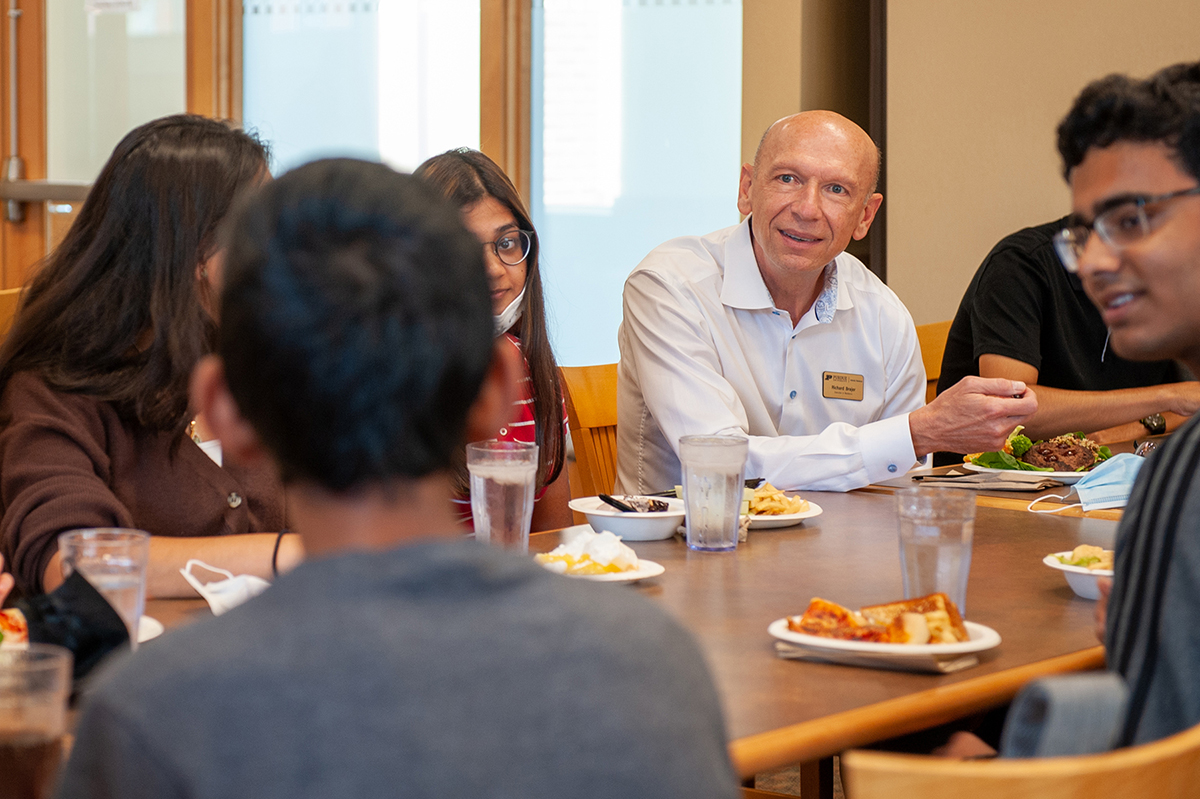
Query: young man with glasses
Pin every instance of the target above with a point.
(1027, 318)
(1131, 151)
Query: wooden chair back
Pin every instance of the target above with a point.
(1164, 769)
(932, 339)
(10, 300)
(591, 395)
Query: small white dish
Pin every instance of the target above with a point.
(148, 628)
(1081, 579)
(784, 519)
(631, 526)
(645, 570)
(1066, 478)
(933, 658)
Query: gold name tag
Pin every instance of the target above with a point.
(835, 385)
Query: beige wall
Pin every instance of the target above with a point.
(975, 90)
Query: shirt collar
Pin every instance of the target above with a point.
(743, 286)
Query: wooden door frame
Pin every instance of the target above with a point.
(505, 69)
(214, 88)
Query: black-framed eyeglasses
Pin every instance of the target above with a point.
(512, 248)
(1118, 227)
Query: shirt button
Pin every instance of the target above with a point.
(792, 395)
(892, 468)
(234, 499)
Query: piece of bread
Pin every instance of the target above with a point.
(941, 617)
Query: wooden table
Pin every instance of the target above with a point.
(781, 712)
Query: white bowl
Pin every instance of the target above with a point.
(1081, 579)
(631, 526)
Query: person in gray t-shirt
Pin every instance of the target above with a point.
(400, 659)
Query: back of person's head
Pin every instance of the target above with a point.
(1162, 108)
(118, 309)
(356, 323)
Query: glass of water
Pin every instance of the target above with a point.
(713, 481)
(503, 477)
(937, 526)
(113, 560)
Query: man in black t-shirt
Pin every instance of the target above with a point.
(1026, 318)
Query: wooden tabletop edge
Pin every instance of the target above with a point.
(829, 735)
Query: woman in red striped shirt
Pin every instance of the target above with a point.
(494, 211)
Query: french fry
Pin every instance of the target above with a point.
(770, 501)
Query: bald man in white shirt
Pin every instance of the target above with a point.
(770, 330)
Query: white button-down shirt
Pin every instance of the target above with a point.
(705, 351)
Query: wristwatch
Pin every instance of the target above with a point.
(1155, 424)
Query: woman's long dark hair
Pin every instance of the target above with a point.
(465, 177)
(117, 311)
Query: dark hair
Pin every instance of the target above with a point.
(465, 177)
(116, 311)
(1163, 108)
(356, 323)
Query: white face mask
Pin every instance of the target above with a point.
(227, 594)
(508, 317)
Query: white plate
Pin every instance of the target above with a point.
(645, 570)
(1066, 478)
(149, 627)
(784, 519)
(937, 658)
(1081, 579)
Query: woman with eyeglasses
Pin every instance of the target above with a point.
(494, 211)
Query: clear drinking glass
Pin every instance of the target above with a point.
(937, 526)
(713, 480)
(34, 686)
(503, 476)
(113, 560)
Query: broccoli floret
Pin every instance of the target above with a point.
(1020, 445)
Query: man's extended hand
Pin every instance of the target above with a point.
(976, 414)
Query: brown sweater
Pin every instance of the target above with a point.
(69, 461)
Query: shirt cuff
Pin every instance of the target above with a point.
(887, 448)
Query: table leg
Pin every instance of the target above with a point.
(816, 779)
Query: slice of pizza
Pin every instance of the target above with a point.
(831, 620)
(13, 627)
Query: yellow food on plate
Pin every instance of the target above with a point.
(770, 501)
(590, 553)
(1089, 557)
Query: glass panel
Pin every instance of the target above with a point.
(636, 139)
(110, 66)
(396, 80)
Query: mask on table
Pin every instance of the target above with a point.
(227, 594)
(508, 317)
(1109, 484)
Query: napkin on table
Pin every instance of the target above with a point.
(989, 481)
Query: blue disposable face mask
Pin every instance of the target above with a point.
(1107, 486)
